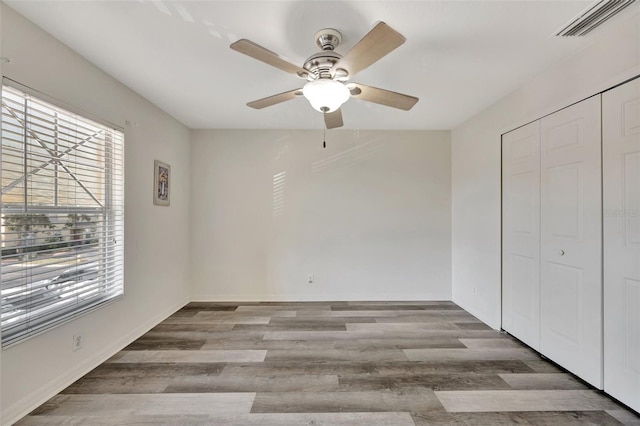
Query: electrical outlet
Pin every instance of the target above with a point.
(77, 341)
(310, 279)
(475, 292)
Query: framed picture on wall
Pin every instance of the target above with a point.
(161, 183)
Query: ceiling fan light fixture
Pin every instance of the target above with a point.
(326, 95)
(328, 72)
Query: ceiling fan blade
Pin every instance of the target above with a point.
(333, 119)
(382, 96)
(262, 54)
(380, 41)
(275, 99)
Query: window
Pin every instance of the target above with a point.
(62, 214)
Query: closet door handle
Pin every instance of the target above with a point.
(561, 252)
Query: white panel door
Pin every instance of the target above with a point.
(521, 233)
(571, 240)
(621, 172)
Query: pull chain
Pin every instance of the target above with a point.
(324, 137)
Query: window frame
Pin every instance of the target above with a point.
(109, 227)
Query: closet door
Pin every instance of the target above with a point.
(621, 171)
(521, 233)
(571, 240)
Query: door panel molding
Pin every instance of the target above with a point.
(521, 233)
(621, 204)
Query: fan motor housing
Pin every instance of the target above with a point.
(320, 64)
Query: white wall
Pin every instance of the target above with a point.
(476, 158)
(156, 246)
(369, 215)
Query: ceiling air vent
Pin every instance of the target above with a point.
(593, 17)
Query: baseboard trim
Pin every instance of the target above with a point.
(280, 298)
(477, 314)
(27, 404)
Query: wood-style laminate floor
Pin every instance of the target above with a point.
(342, 363)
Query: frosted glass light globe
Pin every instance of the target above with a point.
(326, 95)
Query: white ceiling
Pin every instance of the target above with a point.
(459, 58)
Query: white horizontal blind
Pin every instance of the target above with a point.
(62, 215)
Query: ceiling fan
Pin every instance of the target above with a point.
(328, 73)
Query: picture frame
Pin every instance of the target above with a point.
(161, 183)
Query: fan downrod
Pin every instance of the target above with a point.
(320, 64)
(328, 38)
